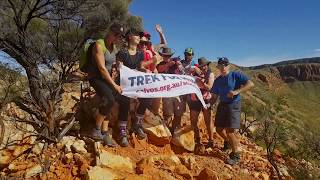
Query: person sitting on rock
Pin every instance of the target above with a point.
(99, 70)
(173, 107)
(228, 87)
(205, 83)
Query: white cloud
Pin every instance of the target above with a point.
(317, 50)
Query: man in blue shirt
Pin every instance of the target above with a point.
(228, 87)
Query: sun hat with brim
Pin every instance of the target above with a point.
(223, 61)
(133, 32)
(117, 29)
(203, 62)
(166, 51)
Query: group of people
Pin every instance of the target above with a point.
(140, 54)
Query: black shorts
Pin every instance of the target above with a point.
(105, 92)
(228, 115)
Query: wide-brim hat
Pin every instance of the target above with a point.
(133, 32)
(203, 62)
(117, 28)
(166, 51)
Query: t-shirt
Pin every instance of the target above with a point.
(131, 61)
(110, 58)
(224, 84)
(170, 70)
(147, 57)
(187, 67)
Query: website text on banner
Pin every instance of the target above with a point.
(136, 84)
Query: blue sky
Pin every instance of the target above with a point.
(248, 32)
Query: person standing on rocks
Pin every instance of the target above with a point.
(133, 58)
(173, 106)
(205, 83)
(99, 75)
(228, 87)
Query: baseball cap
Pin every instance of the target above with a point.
(189, 50)
(223, 61)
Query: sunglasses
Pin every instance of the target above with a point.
(188, 54)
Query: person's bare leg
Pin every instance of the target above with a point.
(209, 123)
(194, 115)
(99, 119)
(233, 139)
(105, 126)
(222, 133)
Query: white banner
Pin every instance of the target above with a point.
(136, 84)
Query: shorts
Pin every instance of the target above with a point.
(106, 94)
(174, 106)
(228, 115)
(197, 105)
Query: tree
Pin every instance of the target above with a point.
(272, 134)
(45, 37)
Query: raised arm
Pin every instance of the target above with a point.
(161, 34)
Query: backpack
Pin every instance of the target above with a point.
(86, 53)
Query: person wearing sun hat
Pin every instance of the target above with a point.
(133, 58)
(173, 107)
(228, 87)
(205, 82)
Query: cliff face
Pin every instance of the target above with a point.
(307, 69)
(301, 72)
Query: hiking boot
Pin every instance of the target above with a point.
(123, 137)
(137, 127)
(96, 134)
(234, 158)
(107, 139)
(226, 146)
(138, 130)
(199, 149)
(210, 144)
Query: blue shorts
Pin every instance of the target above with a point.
(228, 115)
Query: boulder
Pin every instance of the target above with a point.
(113, 161)
(207, 174)
(158, 133)
(188, 161)
(184, 137)
(33, 171)
(37, 148)
(98, 173)
(5, 158)
(72, 143)
(264, 176)
(79, 147)
(183, 171)
(169, 162)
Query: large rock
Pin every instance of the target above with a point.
(167, 161)
(98, 173)
(184, 137)
(208, 174)
(188, 161)
(5, 158)
(33, 171)
(72, 143)
(158, 132)
(14, 133)
(113, 161)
